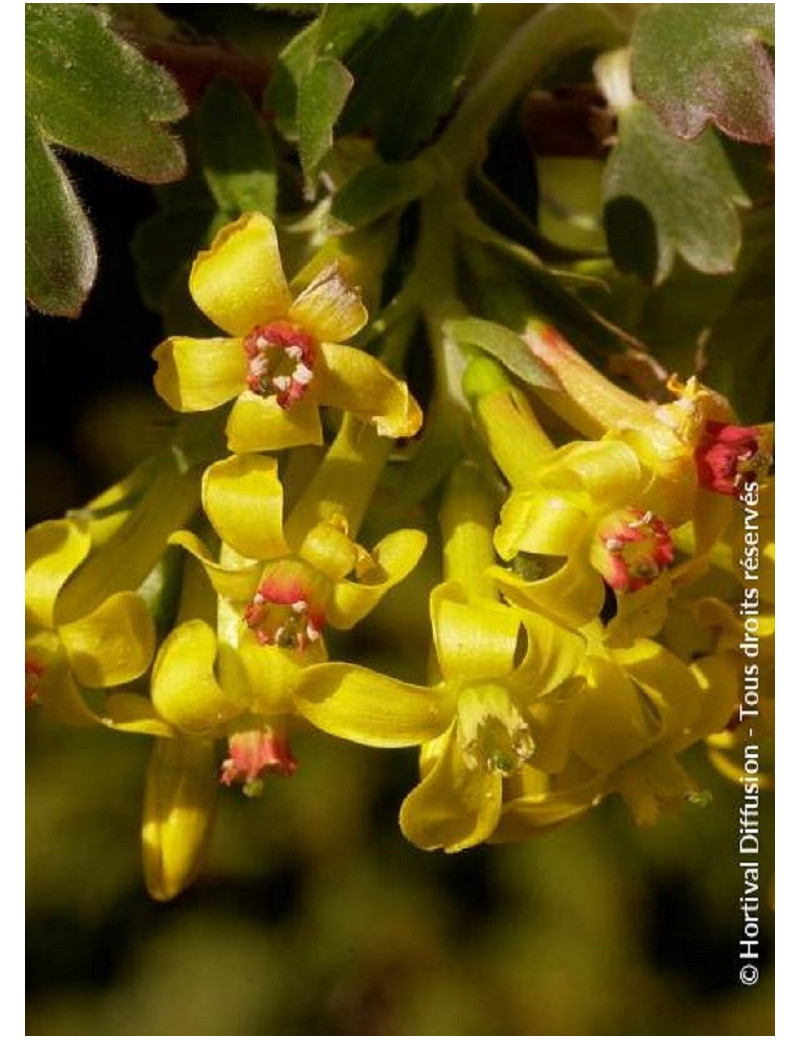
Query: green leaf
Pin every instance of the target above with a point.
(665, 196)
(378, 189)
(60, 254)
(695, 64)
(503, 345)
(322, 93)
(407, 76)
(87, 90)
(339, 28)
(236, 152)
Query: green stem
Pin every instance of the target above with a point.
(535, 47)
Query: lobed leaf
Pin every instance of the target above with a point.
(695, 64)
(89, 91)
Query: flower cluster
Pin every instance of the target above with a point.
(584, 626)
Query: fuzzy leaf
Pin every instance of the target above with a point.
(407, 76)
(665, 196)
(87, 90)
(322, 93)
(503, 345)
(695, 64)
(236, 152)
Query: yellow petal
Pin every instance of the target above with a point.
(239, 282)
(329, 308)
(329, 550)
(369, 708)
(185, 688)
(53, 550)
(236, 584)
(552, 805)
(610, 726)
(669, 684)
(132, 713)
(718, 677)
(358, 383)
(473, 641)
(608, 471)
(113, 644)
(196, 375)
(260, 424)
(574, 595)
(179, 802)
(453, 807)
(392, 559)
(243, 499)
(273, 673)
(553, 654)
(58, 692)
(540, 521)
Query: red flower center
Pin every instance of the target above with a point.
(284, 611)
(636, 547)
(280, 361)
(729, 455)
(255, 754)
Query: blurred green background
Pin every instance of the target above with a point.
(313, 916)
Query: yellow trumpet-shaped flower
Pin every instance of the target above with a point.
(504, 672)
(282, 358)
(697, 454)
(285, 586)
(584, 518)
(639, 709)
(65, 652)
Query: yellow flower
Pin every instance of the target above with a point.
(503, 672)
(584, 518)
(282, 358)
(621, 733)
(285, 586)
(67, 652)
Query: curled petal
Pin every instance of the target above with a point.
(454, 806)
(573, 595)
(243, 499)
(670, 685)
(329, 308)
(57, 691)
(179, 802)
(610, 725)
(391, 560)
(474, 641)
(260, 424)
(718, 677)
(329, 549)
(239, 282)
(651, 782)
(547, 802)
(113, 644)
(132, 713)
(53, 550)
(236, 584)
(358, 383)
(196, 375)
(363, 706)
(185, 688)
(539, 521)
(273, 673)
(608, 471)
(553, 655)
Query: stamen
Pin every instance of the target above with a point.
(280, 361)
